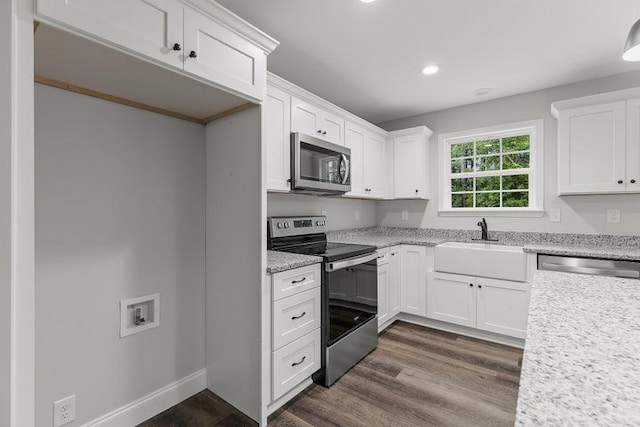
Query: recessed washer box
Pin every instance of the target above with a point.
(482, 260)
(139, 314)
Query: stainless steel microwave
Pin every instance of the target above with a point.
(318, 166)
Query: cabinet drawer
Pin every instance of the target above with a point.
(383, 256)
(291, 282)
(294, 363)
(295, 316)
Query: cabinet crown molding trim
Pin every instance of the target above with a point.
(601, 98)
(298, 92)
(423, 130)
(234, 23)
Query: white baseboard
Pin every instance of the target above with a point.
(152, 404)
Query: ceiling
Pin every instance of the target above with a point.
(367, 57)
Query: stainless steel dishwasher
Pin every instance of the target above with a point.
(592, 266)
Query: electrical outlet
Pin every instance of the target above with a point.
(405, 215)
(554, 215)
(357, 215)
(613, 215)
(64, 411)
(323, 212)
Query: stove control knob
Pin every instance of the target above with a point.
(286, 225)
(279, 225)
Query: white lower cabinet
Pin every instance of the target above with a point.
(414, 263)
(492, 305)
(388, 284)
(295, 308)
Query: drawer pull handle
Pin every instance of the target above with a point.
(300, 362)
(298, 317)
(298, 281)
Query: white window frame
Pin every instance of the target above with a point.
(534, 128)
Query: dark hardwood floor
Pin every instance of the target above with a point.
(416, 377)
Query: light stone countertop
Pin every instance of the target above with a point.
(588, 251)
(581, 364)
(282, 261)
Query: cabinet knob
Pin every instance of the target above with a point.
(633, 181)
(620, 181)
(320, 131)
(479, 286)
(193, 54)
(416, 191)
(471, 285)
(176, 47)
(324, 132)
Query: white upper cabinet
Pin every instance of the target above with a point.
(278, 146)
(215, 53)
(312, 120)
(599, 143)
(411, 163)
(213, 45)
(147, 27)
(367, 169)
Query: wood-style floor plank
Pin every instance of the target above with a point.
(416, 377)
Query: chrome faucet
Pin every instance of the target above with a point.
(485, 231)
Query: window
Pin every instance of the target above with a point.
(492, 170)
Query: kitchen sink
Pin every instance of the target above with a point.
(482, 259)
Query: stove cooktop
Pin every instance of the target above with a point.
(332, 251)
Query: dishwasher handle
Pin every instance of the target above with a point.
(594, 271)
(339, 265)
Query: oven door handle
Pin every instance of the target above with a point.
(339, 265)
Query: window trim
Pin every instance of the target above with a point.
(535, 128)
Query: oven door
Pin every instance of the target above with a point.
(351, 297)
(319, 166)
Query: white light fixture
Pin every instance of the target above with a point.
(632, 47)
(367, 1)
(430, 69)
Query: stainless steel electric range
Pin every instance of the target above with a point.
(349, 291)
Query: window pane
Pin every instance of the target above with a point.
(515, 199)
(488, 183)
(491, 163)
(488, 200)
(462, 200)
(467, 165)
(489, 146)
(515, 161)
(456, 166)
(515, 182)
(515, 143)
(462, 150)
(462, 184)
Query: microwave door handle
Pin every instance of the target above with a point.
(344, 177)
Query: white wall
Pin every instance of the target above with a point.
(341, 212)
(120, 213)
(235, 261)
(5, 214)
(580, 214)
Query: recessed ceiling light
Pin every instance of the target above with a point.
(430, 69)
(482, 91)
(367, 1)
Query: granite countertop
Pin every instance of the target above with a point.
(581, 363)
(282, 261)
(384, 240)
(589, 251)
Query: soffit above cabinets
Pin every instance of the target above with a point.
(71, 62)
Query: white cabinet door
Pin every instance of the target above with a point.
(147, 27)
(633, 146)
(215, 53)
(278, 130)
(410, 163)
(503, 307)
(591, 149)
(373, 167)
(452, 298)
(413, 278)
(394, 295)
(383, 294)
(312, 120)
(354, 139)
(294, 317)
